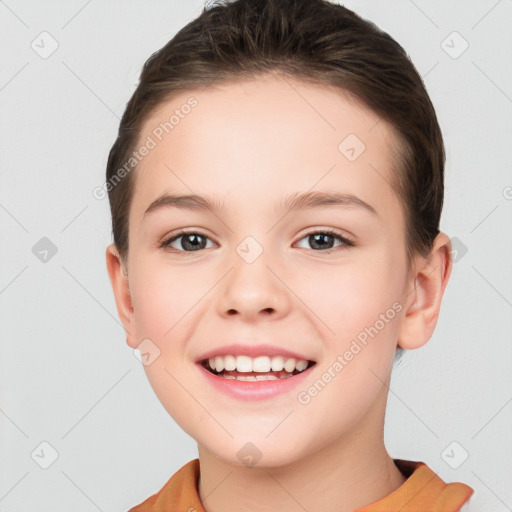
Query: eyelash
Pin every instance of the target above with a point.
(347, 243)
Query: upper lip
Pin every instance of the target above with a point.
(238, 349)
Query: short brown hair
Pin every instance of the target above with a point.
(314, 41)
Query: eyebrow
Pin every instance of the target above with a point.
(293, 202)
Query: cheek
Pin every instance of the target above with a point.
(162, 296)
(348, 298)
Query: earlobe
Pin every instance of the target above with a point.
(425, 295)
(120, 287)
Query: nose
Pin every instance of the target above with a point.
(254, 290)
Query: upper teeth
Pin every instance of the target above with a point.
(256, 364)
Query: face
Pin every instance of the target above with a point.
(323, 280)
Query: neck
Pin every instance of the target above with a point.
(351, 472)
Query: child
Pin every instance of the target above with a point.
(276, 188)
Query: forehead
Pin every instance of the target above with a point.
(252, 138)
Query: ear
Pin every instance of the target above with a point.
(120, 286)
(426, 288)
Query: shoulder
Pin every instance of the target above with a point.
(178, 492)
(454, 496)
(423, 490)
(439, 495)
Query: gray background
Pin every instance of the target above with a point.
(67, 377)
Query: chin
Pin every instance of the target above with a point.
(263, 453)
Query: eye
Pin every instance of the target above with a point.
(195, 241)
(324, 239)
(191, 241)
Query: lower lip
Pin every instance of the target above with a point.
(254, 390)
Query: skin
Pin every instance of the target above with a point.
(250, 144)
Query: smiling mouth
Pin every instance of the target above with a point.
(255, 376)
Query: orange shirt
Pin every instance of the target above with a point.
(423, 491)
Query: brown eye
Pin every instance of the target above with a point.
(190, 241)
(324, 240)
